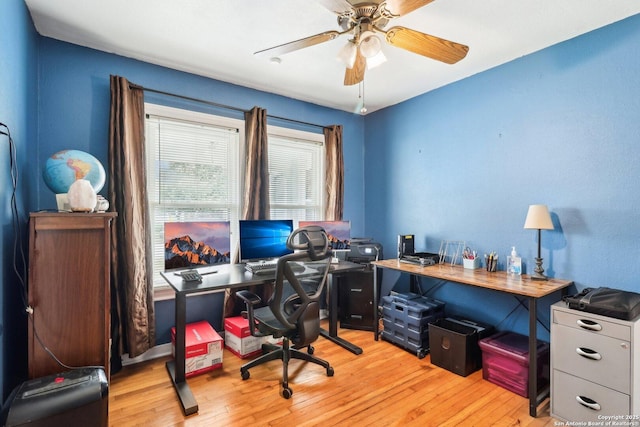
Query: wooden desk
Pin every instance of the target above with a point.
(522, 286)
(231, 276)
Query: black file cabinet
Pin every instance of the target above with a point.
(356, 288)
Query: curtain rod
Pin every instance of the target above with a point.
(215, 104)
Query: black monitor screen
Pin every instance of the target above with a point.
(338, 232)
(264, 239)
(192, 244)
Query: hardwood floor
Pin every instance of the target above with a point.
(385, 386)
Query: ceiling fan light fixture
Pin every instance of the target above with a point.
(376, 60)
(370, 46)
(348, 54)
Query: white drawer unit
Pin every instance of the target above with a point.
(595, 366)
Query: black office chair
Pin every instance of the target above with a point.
(293, 311)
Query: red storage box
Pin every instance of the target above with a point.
(203, 348)
(238, 338)
(505, 361)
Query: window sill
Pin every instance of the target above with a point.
(163, 292)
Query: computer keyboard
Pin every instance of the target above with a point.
(255, 266)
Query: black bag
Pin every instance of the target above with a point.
(607, 302)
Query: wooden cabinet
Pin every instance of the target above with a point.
(69, 291)
(594, 366)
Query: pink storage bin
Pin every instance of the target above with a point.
(505, 361)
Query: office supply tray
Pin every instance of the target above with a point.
(406, 319)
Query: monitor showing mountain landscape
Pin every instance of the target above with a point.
(338, 232)
(193, 244)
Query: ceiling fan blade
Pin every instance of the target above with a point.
(337, 6)
(402, 7)
(426, 45)
(355, 75)
(299, 44)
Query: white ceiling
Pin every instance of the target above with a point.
(217, 39)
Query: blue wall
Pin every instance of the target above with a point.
(18, 82)
(559, 127)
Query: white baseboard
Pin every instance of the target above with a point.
(161, 350)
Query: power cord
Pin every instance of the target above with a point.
(18, 247)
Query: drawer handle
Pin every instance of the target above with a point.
(588, 353)
(356, 289)
(589, 403)
(589, 324)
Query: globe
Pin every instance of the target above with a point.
(64, 167)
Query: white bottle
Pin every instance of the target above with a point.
(514, 263)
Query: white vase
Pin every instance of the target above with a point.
(82, 196)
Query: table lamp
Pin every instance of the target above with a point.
(538, 218)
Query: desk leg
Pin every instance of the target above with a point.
(533, 358)
(332, 334)
(376, 321)
(177, 368)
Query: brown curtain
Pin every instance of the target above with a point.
(334, 180)
(256, 190)
(256, 176)
(133, 317)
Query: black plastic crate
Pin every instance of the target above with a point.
(454, 344)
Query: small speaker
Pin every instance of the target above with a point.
(405, 245)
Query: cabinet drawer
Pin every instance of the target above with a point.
(594, 324)
(567, 390)
(603, 360)
(357, 298)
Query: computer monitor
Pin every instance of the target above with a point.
(264, 239)
(338, 232)
(194, 244)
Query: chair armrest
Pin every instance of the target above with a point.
(251, 300)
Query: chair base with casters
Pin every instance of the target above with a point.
(284, 353)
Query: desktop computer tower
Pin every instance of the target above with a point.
(78, 398)
(356, 288)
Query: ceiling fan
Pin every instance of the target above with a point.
(364, 20)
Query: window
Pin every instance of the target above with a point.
(194, 172)
(296, 174)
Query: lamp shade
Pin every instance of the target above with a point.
(375, 61)
(348, 54)
(538, 218)
(370, 46)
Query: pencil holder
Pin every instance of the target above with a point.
(471, 264)
(491, 262)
